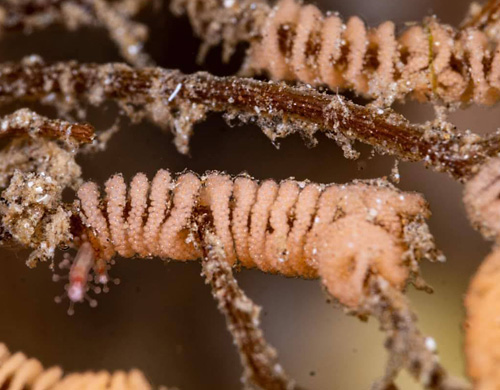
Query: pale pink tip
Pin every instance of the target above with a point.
(76, 293)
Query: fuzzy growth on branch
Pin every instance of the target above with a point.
(261, 367)
(27, 123)
(168, 96)
(34, 174)
(407, 347)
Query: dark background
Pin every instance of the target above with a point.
(162, 318)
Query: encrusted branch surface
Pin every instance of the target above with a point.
(261, 367)
(407, 347)
(169, 96)
(35, 173)
(25, 122)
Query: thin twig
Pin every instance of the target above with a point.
(408, 348)
(31, 14)
(170, 96)
(259, 359)
(25, 122)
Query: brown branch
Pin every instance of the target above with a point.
(170, 96)
(25, 122)
(407, 346)
(259, 359)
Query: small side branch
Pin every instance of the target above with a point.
(25, 122)
(128, 35)
(407, 346)
(261, 367)
(168, 96)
